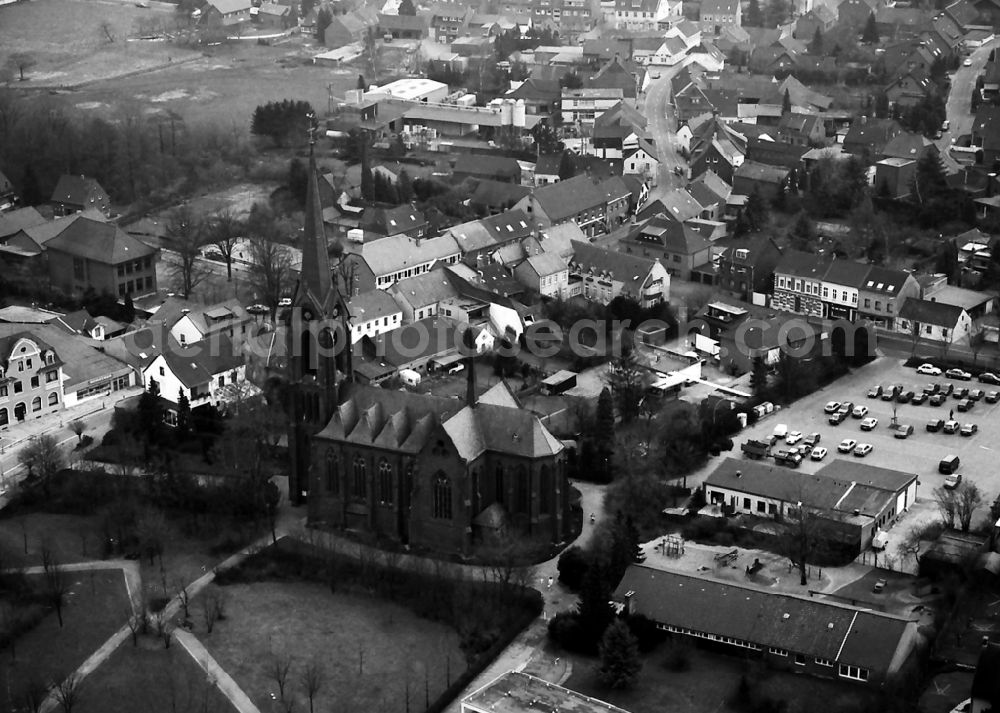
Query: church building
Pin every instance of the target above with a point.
(435, 473)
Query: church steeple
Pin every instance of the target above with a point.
(316, 277)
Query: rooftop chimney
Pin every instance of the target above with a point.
(469, 349)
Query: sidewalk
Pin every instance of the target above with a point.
(216, 674)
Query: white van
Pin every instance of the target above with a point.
(409, 377)
(780, 431)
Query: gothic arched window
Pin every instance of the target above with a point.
(359, 486)
(385, 482)
(442, 496)
(332, 474)
(545, 490)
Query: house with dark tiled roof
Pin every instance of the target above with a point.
(910, 87)
(682, 251)
(542, 97)
(90, 254)
(616, 73)
(479, 166)
(204, 376)
(576, 199)
(883, 292)
(14, 221)
(767, 180)
(195, 323)
(348, 28)
(74, 194)
(8, 196)
(776, 153)
(718, 148)
(909, 145)
(821, 17)
(381, 263)
(841, 287)
(711, 193)
(402, 220)
(226, 12)
(869, 137)
(746, 269)
(986, 133)
(798, 278)
(403, 27)
(372, 313)
(801, 129)
(544, 273)
(600, 275)
(497, 196)
(419, 297)
(934, 321)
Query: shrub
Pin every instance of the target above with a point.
(573, 564)
(645, 632)
(678, 656)
(85, 442)
(566, 631)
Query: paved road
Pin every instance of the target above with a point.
(662, 124)
(959, 104)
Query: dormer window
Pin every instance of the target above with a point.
(50, 358)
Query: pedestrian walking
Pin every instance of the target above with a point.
(951, 415)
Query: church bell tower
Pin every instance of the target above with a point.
(318, 339)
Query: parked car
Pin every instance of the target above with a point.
(879, 586)
(965, 405)
(988, 377)
(831, 407)
(904, 397)
(846, 407)
(949, 464)
(869, 424)
(918, 399)
(947, 388)
(847, 445)
(958, 374)
(931, 388)
(837, 418)
(257, 309)
(967, 62)
(812, 439)
(285, 302)
(859, 411)
(937, 399)
(976, 394)
(951, 426)
(934, 425)
(969, 429)
(793, 437)
(902, 430)
(992, 397)
(818, 453)
(960, 392)
(863, 449)
(890, 393)
(875, 391)
(929, 370)
(953, 481)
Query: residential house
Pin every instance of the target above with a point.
(89, 254)
(74, 194)
(716, 147)
(420, 297)
(670, 53)
(497, 196)
(541, 97)
(821, 17)
(273, 15)
(644, 15)
(403, 27)
(869, 137)
(934, 321)
(448, 20)
(494, 168)
(897, 22)
(678, 204)
(401, 220)
(687, 31)
(641, 161)
(909, 88)
(682, 251)
(986, 133)
(81, 322)
(882, 294)
(769, 181)
(548, 168)
(616, 73)
(478, 239)
(801, 129)
(195, 323)
(8, 196)
(909, 145)
(372, 313)
(748, 269)
(581, 106)
(894, 177)
(31, 376)
(618, 199)
(545, 273)
(226, 12)
(347, 29)
(14, 221)
(855, 13)
(841, 287)
(600, 275)
(711, 193)
(798, 278)
(381, 263)
(717, 14)
(519, 692)
(203, 376)
(576, 199)
(776, 153)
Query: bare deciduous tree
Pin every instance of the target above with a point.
(56, 587)
(107, 31)
(22, 62)
(281, 664)
(33, 695)
(186, 234)
(312, 681)
(270, 269)
(43, 459)
(135, 625)
(225, 230)
(967, 499)
(78, 427)
(947, 502)
(213, 608)
(67, 692)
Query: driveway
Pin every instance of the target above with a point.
(959, 106)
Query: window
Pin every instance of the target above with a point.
(36, 403)
(18, 387)
(800, 660)
(855, 672)
(20, 365)
(28, 364)
(3, 390)
(746, 503)
(51, 376)
(944, 333)
(385, 482)
(823, 662)
(4, 417)
(927, 329)
(878, 304)
(868, 303)
(121, 271)
(34, 381)
(777, 652)
(442, 496)
(53, 398)
(545, 491)
(677, 258)
(78, 269)
(360, 476)
(332, 476)
(761, 506)
(222, 381)
(498, 484)
(149, 284)
(162, 371)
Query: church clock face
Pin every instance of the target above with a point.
(307, 314)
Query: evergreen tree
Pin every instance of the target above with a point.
(128, 311)
(404, 187)
(323, 20)
(786, 103)
(298, 181)
(362, 84)
(183, 414)
(803, 232)
(632, 538)
(870, 33)
(406, 7)
(306, 6)
(31, 193)
(594, 610)
(758, 375)
(757, 211)
(626, 383)
(816, 46)
(620, 662)
(754, 16)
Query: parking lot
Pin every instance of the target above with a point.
(920, 453)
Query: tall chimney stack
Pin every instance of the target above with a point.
(469, 349)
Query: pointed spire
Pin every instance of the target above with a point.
(315, 257)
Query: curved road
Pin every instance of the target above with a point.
(959, 106)
(662, 124)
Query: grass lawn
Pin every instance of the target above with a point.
(71, 538)
(96, 607)
(370, 650)
(151, 679)
(709, 685)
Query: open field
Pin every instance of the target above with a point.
(151, 679)
(69, 39)
(71, 538)
(371, 652)
(96, 607)
(710, 684)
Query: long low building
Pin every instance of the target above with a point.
(855, 499)
(518, 692)
(814, 636)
